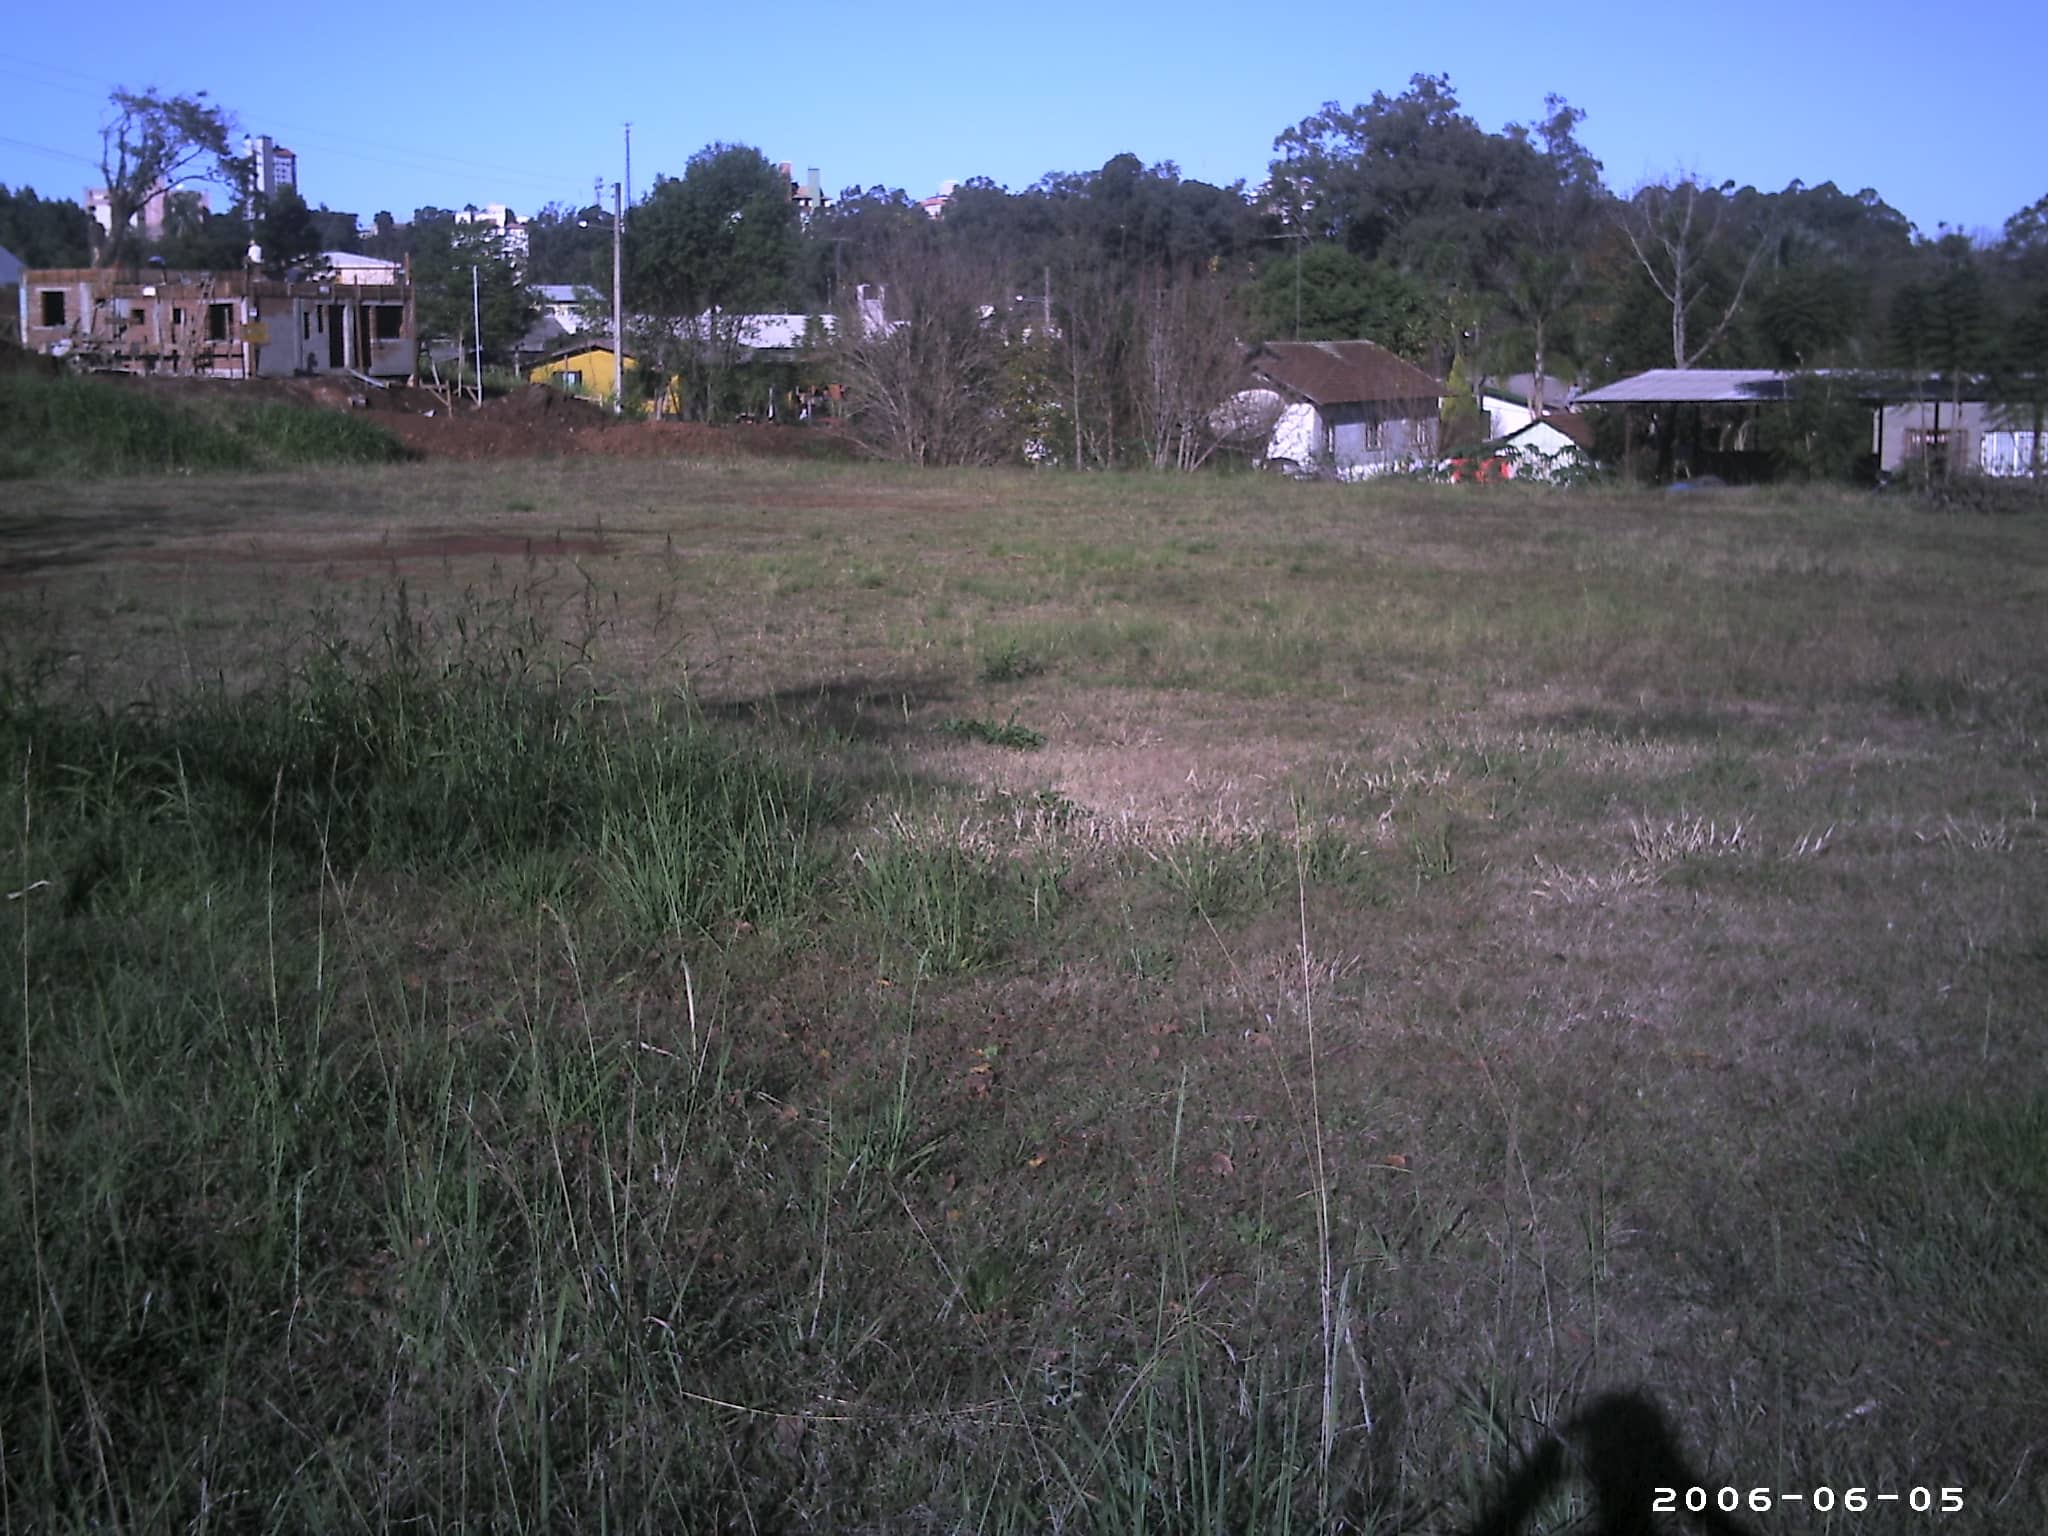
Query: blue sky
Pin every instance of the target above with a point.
(522, 104)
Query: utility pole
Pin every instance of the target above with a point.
(618, 301)
(1297, 236)
(629, 165)
(476, 315)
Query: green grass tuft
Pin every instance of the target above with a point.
(994, 733)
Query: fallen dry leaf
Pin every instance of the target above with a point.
(1222, 1165)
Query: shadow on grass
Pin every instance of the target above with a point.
(859, 709)
(1623, 1448)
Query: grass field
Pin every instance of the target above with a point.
(657, 996)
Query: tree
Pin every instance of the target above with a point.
(1679, 232)
(1409, 180)
(702, 250)
(1804, 310)
(442, 289)
(925, 391)
(2025, 245)
(1545, 273)
(285, 231)
(2021, 384)
(1188, 358)
(1941, 323)
(1340, 297)
(569, 245)
(841, 243)
(1464, 423)
(44, 232)
(208, 243)
(151, 143)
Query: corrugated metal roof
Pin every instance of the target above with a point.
(1691, 386)
(1341, 372)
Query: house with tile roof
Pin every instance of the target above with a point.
(1351, 409)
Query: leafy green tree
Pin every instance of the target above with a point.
(335, 231)
(2021, 380)
(722, 236)
(844, 242)
(442, 293)
(44, 232)
(2025, 246)
(1804, 312)
(387, 237)
(1411, 181)
(1343, 298)
(1464, 423)
(1941, 323)
(703, 250)
(569, 245)
(1540, 286)
(151, 143)
(285, 231)
(213, 242)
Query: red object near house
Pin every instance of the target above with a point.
(1479, 471)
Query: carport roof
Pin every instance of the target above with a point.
(1692, 386)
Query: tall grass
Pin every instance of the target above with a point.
(318, 1231)
(73, 426)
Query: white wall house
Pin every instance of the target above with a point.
(1351, 409)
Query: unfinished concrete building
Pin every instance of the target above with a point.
(221, 325)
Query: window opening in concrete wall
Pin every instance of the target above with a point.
(217, 321)
(53, 306)
(389, 322)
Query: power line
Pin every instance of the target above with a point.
(410, 157)
(55, 154)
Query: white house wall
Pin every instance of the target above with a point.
(1988, 439)
(1504, 416)
(1297, 436)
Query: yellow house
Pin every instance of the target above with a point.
(582, 368)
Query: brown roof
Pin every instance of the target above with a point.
(1341, 372)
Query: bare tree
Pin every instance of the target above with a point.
(1095, 333)
(1676, 232)
(923, 388)
(148, 145)
(1187, 357)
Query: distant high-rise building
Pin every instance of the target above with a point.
(151, 217)
(806, 196)
(271, 165)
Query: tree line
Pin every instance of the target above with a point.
(1091, 317)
